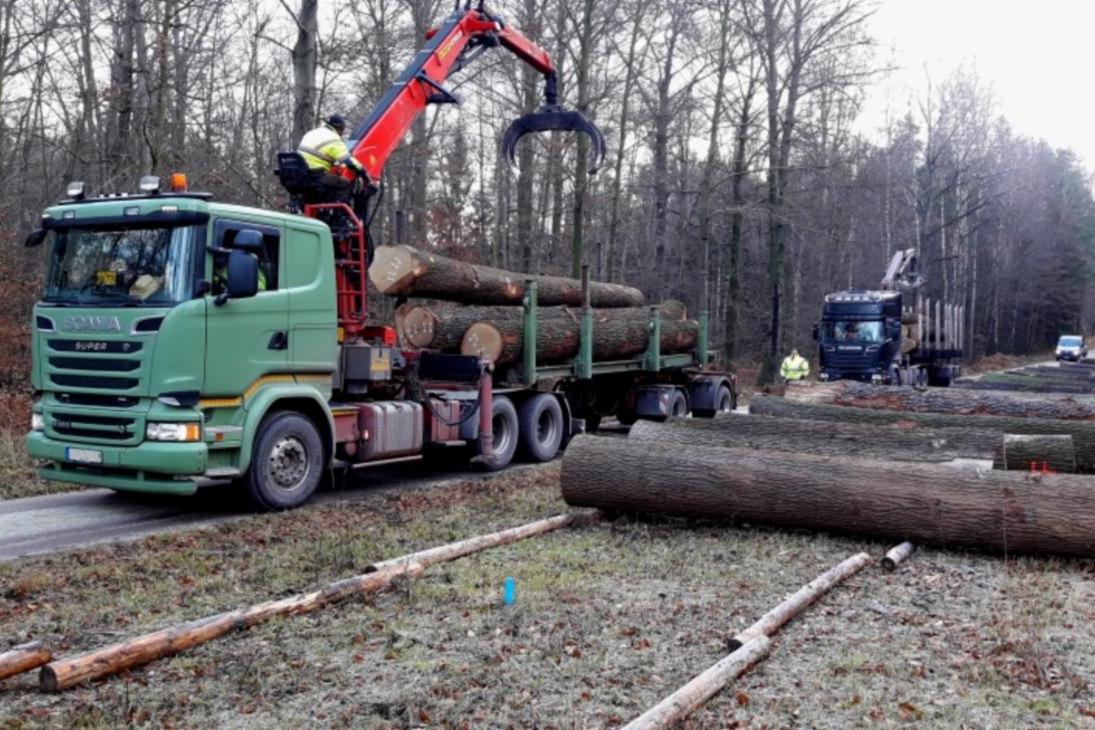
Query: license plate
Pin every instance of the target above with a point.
(84, 456)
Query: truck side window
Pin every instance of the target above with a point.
(224, 235)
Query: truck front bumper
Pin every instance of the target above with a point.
(151, 466)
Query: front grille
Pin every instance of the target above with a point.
(94, 381)
(95, 427)
(92, 363)
(95, 346)
(97, 401)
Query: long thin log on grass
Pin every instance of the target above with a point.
(455, 550)
(23, 658)
(897, 555)
(67, 673)
(702, 687)
(801, 599)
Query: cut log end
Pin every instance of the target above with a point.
(896, 556)
(47, 680)
(393, 269)
(417, 327)
(482, 340)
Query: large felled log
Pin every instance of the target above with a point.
(406, 271)
(924, 503)
(945, 400)
(887, 442)
(1025, 386)
(442, 326)
(23, 658)
(1082, 432)
(617, 334)
(682, 703)
(66, 673)
(801, 599)
(1019, 452)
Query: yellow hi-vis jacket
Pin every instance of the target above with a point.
(794, 367)
(323, 147)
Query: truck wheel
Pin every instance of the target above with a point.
(287, 462)
(541, 421)
(724, 400)
(677, 407)
(504, 430)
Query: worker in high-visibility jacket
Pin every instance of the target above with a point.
(794, 367)
(323, 147)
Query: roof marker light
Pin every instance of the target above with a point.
(149, 184)
(75, 189)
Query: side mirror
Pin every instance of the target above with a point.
(35, 237)
(815, 332)
(895, 330)
(243, 276)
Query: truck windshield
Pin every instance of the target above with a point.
(848, 331)
(1070, 342)
(122, 266)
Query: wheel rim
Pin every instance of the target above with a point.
(287, 466)
(546, 428)
(679, 407)
(501, 433)
(724, 404)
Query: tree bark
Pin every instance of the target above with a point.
(405, 271)
(924, 503)
(305, 57)
(617, 334)
(1028, 383)
(441, 325)
(892, 442)
(1020, 452)
(1082, 432)
(682, 703)
(23, 658)
(944, 400)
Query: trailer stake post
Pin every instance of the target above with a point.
(584, 364)
(654, 347)
(529, 365)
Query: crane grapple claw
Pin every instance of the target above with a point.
(554, 120)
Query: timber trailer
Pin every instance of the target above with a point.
(184, 342)
(887, 336)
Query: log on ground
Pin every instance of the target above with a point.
(23, 658)
(1032, 452)
(406, 271)
(1082, 432)
(66, 673)
(886, 442)
(923, 503)
(617, 334)
(945, 400)
(896, 555)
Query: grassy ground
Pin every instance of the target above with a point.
(18, 477)
(608, 620)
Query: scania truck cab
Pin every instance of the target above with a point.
(182, 342)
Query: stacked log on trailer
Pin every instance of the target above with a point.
(479, 310)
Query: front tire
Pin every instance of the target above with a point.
(286, 464)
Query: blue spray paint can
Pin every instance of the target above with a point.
(509, 593)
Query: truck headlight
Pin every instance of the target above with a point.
(173, 432)
(37, 422)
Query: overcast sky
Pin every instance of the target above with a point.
(1038, 56)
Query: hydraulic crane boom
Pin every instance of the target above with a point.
(464, 35)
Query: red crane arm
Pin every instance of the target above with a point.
(422, 82)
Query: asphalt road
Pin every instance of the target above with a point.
(55, 522)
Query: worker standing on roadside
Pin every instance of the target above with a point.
(323, 147)
(794, 367)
